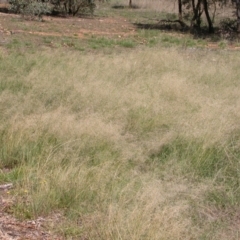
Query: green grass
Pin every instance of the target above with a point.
(102, 42)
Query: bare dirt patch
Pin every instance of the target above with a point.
(68, 27)
(11, 228)
(14, 229)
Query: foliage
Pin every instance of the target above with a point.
(194, 10)
(39, 8)
(228, 28)
(78, 6)
(30, 7)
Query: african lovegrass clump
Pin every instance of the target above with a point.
(146, 149)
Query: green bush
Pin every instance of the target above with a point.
(31, 8)
(75, 7)
(35, 8)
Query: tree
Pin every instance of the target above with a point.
(130, 3)
(30, 8)
(238, 15)
(197, 14)
(193, 10)
(73, 7)
(41, 7)
(209, 20)
(180, 14)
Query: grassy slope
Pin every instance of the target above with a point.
(137, 144)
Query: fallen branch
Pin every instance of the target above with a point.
(6, 186)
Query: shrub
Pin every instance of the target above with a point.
(30, 8)
(37, 8)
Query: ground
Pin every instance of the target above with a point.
(12, 228)
(112, 27)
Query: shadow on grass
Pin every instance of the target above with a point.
(121, 6)
(202, 33)
(4, 10)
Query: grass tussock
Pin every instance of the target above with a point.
(137, 145)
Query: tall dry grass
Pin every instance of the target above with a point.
(135, 145)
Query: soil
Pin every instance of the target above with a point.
(69, 26)
(13, 229)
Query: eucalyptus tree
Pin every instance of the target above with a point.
(193, 10)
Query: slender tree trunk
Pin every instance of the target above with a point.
(238, 15)
(180, 16)
(209, 20)
(196, 13)
(70, 3)
(193, 5)
(130, 3)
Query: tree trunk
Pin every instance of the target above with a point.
(197, 13)
(193, 5)
(70, 10)
(238, 15)
(209, 20)
(180, 17)
(130, 3)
